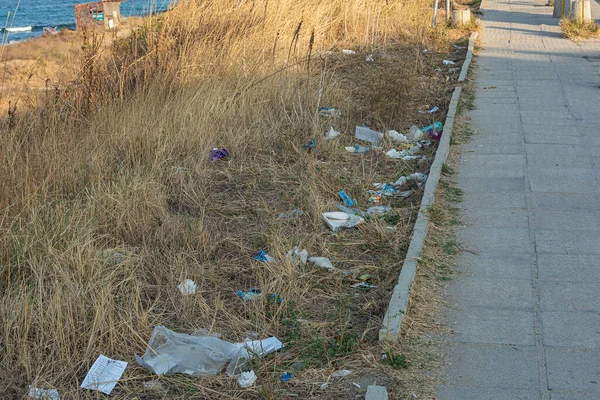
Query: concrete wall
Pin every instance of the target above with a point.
(112, 14)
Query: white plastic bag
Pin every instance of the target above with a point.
(322, 262)
(247, 379)
(169, 352)
(369, 135)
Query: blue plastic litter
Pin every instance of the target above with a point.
(389, 190)
(286, 376)
(310, 145)
(347, 199)
(263, 256)
(433, 127)
(250, 295)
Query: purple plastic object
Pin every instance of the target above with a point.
(217, 154)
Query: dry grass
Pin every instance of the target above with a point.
(576, 30)
(118, 160)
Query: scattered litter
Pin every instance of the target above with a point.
(43, 394)
(414, 133)
(263, 256)
(452, 70)
(217, 154)
(356, 385)
(369, 135)
(417, 176)
(490, 87)
(297, 257)
(338, 220)
(250, 295)
(364, 285)
(370, 58)
(331, 134)
(285, 377)
(347, 51)
(387, 189)
(247, 379)
(458, 47)
(329, 112)
(324, 386)
(425, 50)
(393, 153)
(357, 149)
(351, 211)
(169, 352)
(180, 169)
(295, 213)
(375, 197)
(437, 126)
(448, 62)
(365, 277)
(378, 210)
(187, 287)
(104, 374)
(310, 145)
(346, 199)
(396, 137)
(298, 365)
(322, 262)
(431, 111)
(153, 385)
(341, 373)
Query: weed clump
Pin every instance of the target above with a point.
(577, 30)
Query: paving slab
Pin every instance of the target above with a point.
(490, 325)
(447, 392)
(568, 268)
(510, 266)
(570, 296)
(493, 366)
(571, 329)
(491, 293)
(567, 242)
(576, 370)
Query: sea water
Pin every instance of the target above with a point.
(59, 14)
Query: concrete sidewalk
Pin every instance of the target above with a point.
(526, 309)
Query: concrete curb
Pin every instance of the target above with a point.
(465, 67)
(392, 322)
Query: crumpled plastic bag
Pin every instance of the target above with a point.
(170, 352)
(247, 379)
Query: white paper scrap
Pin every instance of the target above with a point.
(369, 135)
(43, 394)
(104, 374)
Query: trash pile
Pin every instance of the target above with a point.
(200, 354)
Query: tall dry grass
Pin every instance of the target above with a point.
(118, 162)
